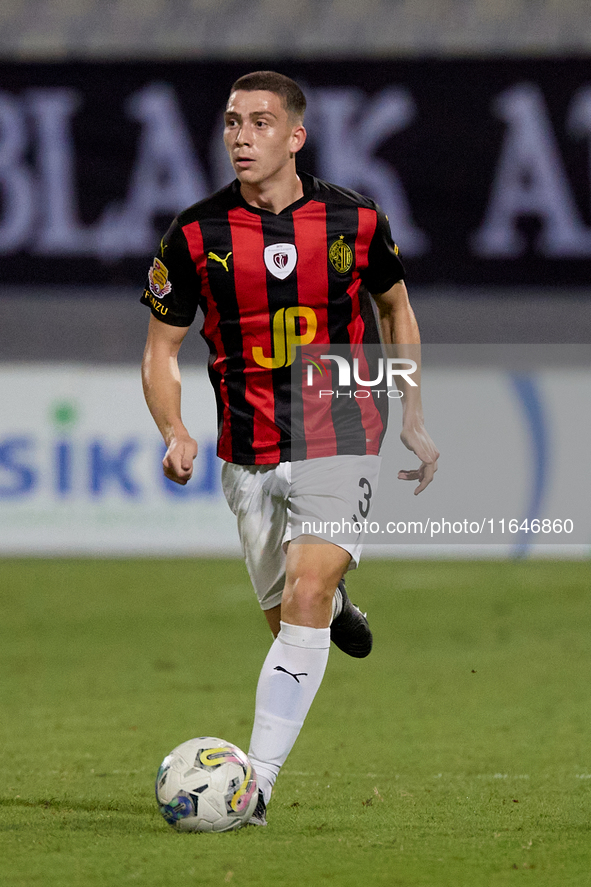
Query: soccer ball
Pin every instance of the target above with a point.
(206, 785)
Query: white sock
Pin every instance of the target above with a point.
(289, 680)
(337, 604)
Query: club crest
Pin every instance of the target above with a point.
(280, 259)
(341, 255)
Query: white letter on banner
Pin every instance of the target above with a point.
(166, 177)
(530, 181)
(16, 181)
(344, 368)
(350, 128)
(369, 382)
(61, 232)
(579, 118)
(391, 371)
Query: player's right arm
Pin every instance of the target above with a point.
(161, 379)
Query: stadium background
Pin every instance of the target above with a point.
(458, 754)
(469, 121)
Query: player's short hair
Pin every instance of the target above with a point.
(292, 97)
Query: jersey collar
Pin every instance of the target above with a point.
(308, 184)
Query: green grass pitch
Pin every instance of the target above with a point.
(457, 755)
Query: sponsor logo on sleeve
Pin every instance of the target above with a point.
(159, 283)
(156, 305)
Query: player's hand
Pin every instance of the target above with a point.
(417, 439)
(178, 459)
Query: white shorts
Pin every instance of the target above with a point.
(274, 504)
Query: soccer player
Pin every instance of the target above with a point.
(275, 259)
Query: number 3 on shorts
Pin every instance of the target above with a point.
(366, 501)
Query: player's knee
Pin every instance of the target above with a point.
(312, 590)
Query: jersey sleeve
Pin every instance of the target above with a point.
(384, 267)
(173, 286)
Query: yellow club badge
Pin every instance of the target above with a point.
(341, 255)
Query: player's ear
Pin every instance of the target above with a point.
(298, 137)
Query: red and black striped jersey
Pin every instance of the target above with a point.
(265, 282)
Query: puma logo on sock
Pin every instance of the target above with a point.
(294, 676)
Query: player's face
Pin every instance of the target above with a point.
(260, 136)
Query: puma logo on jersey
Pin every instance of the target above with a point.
(223, 262)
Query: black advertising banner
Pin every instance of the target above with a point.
(482, 166)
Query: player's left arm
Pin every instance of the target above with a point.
(399, 328)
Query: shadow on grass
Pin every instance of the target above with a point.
(69, 806)
(99, 817)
